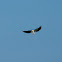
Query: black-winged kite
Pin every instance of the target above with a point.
(35, 30)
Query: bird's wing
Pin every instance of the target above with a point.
(27, 31)
(36, 30)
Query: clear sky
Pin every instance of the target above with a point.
(19, 15)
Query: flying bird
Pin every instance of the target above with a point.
(32, 31)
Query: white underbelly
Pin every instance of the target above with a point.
(33, 32)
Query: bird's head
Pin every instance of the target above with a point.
(32, 30)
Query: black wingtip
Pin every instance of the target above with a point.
(40, 27)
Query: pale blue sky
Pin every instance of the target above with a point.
(19, 15)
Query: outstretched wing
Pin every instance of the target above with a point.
(27, 31)
(36, 30)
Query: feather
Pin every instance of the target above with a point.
(36, 30)
(27, 31)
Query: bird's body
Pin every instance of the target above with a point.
(36, 30)
(33, 32)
